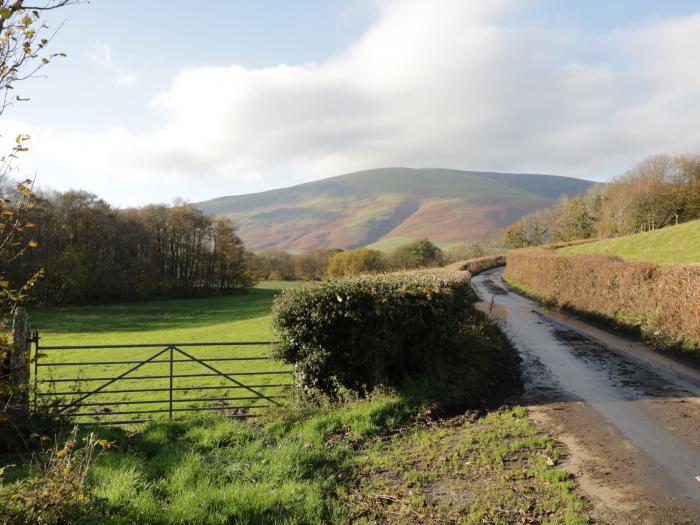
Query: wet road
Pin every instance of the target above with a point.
(651, 400)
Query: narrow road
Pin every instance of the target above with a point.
(628, 417)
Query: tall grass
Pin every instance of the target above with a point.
(284, 469)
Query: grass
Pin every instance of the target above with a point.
(244, 317)
(282, 469)
(282, 285)
(366, 461)
(374, 460)
(495, 469)
(671, 245)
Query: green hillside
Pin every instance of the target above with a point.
(672, 245)
(366, 207)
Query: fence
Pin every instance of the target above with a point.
(135, 383)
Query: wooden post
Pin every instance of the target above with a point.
(20, 358)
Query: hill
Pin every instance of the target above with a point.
(671, 245)
(361, 208)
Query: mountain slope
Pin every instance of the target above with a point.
(361, 208)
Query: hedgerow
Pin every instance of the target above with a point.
(479, 264)
(391, 329)
(661, 302)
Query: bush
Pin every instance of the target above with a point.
(391, 329)
(55, 490)
(662, 302)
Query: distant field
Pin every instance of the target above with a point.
(672, 245)
(281, 285)
(244, 317)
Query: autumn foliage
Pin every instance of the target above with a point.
(662, 302)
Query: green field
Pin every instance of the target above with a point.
(244, 317)
(302, 463)
(672, 245)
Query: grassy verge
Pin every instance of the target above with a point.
(369, 461)
(671, 245)
(495, 469)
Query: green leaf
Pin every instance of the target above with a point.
(5, 13)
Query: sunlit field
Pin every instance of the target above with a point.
(237, 318)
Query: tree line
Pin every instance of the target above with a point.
(92, 252)
(657, 192)
(330, 263)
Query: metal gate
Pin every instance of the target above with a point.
(133, 383)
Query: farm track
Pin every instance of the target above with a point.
(628, 416)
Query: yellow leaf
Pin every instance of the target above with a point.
(340, 299)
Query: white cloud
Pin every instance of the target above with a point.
(101, 55)
(448, 84)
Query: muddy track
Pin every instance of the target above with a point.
(628, 416)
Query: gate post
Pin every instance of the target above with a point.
(19, 357)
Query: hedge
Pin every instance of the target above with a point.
(479, 264)
(389, 329)
(661, 302)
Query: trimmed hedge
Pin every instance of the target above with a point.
(479, 264)
(662, 302)
(390, 329)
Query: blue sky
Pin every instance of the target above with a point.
(183, 100)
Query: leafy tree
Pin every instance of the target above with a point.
(313, 265)
(574, 221)
(274, 264)
(23, 43)
(531, 230)
(355, 262)
(420, 253)
(657, 192)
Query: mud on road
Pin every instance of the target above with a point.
(628, 417)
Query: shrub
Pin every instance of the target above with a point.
(391, 329)
(662, 302)
(55, 490)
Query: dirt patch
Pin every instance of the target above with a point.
(623, 485)
(469, 469)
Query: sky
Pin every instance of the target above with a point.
(158, 100)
